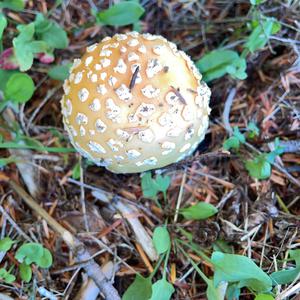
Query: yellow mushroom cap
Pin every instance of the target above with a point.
(134, 102)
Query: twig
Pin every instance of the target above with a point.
(227, 108)
(179, 199)
(290, 146)
(41, 104)
(14, 224)
(127, 212)
(92, 269)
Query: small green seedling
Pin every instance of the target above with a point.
(199, 211)
(120, 14)
(235, 140)
(261, 166)
(6, 276)
(151, 186)
(142, 288)
(252, 130)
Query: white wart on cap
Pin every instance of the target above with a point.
(134, 102)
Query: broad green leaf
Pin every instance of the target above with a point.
(264, 297)
(50, 32)
(3, 24)
(29, 253)
(59, 72)
(231, 143)
(217, 63)
(295, 255)
(259, 167)
(6, 243)
(162, 290)
(19, 88)
(289, 275)
(261, 34)
(41, 23)
(76, 171)
(25, 272)
(6, 276)
(285, 276)
(241, 270)
(4, 76)
(140, 289)
(199, 211)
(121, 14)
(13, 4)
(235, 140)
(55, 37)
(161, 239)
(25, 47)
(9, 278)
(46, 260)
(151, 186)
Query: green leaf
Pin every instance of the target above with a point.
(289, 275)
(199, 211)
(261, 34)
(76, 171)
(259, 167)
(46, 260)
(140, 289)
(264, 297)
(235, 140)
(6, 243)
(161, 239)
(239, 269)
(162, 290)
(6, 276)
(56, 37)
(29, 253)
(256, 2)
(238, 134)
(25, 272)
(9, 278)
(4, 76)
(19, 88)
(13, 4)
(295, 255)
(25, 47)
(231, 143)
(253, 130)
(59, 72)
(50, 32)
(152, 186)
(3, 24)
(217, 63)
(121, 14)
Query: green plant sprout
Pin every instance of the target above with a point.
(26, 254)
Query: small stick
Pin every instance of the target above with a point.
(178, 94)
(133, 78)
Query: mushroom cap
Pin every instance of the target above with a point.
(134, 102)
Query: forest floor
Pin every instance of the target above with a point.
(259, 219)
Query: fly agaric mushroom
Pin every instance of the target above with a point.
(134, 102)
